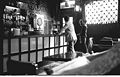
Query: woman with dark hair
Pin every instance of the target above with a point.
(71, 37)
(83, 35)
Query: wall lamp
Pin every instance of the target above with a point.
(77, 8)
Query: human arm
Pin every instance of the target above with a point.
(63, 29)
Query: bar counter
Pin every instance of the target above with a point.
(32, 48)
(31, 35)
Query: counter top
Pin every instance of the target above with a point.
(29, 35)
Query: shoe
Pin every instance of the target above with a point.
(79, 54)
(48, 71)
(86, 54)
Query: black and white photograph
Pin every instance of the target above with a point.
(59, 38)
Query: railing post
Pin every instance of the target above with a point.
(49, 47)
(36, 49)
(54, 44)
(2, 6)
(9, 48)
(28, 49)
(19, 48)
(63, 44)
(43, 48)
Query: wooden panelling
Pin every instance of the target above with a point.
(61, 40)
(15, 57)
(65, 49)
(56, 51)
(56, 41)
(32, 49)
(39, 56)
(14, 46)
(46, 53)
(61, 50)
(32, 44)
(5, 47)
(24, 44)
(40, 43)
(64, 38)
(51, 52)
(46, 42)
(24, 57)
(5, 64)
(52, 42)
(33, 57)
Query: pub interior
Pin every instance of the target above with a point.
(30, 44)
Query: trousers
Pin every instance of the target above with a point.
(84, 45)
(70, 47)
(70, 50)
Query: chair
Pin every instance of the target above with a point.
(102, 44)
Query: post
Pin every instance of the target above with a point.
(2, 5)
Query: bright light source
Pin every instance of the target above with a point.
(78, 8)
(67, 4)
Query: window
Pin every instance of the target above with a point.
(102, 12)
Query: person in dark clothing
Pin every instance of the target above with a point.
(83, 35)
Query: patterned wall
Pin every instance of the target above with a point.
(102, 12)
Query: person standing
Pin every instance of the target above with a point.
(83, 35)
(71, 37)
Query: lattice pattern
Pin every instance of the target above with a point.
(102, 12)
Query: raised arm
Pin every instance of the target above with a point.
(63, 29)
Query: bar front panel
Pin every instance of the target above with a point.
(24, 44)
(31, 49)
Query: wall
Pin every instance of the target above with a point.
(99, 30)
(94, 30)
(110, 30)
(46, 8)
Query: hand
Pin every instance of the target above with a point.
(59, 33)
(78, 34)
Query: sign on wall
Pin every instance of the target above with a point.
(39, 22)
(67, 4)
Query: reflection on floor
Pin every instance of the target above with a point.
(62, 62)
(104, 63)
